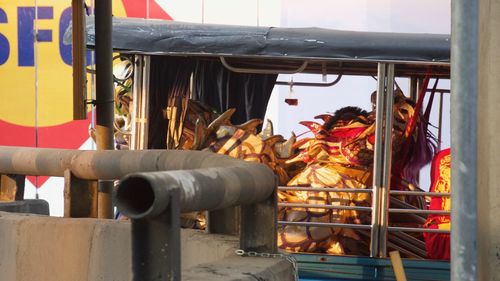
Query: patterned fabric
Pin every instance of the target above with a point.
(438, 244)
(247, 146)
(340, 155)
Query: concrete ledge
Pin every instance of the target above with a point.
(29, 206)
(241, 269)
(44, 248)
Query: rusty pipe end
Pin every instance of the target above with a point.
(138, 197)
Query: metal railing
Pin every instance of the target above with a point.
(158, 185)
(392, 230)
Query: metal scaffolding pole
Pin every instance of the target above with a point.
(378, 161)
(104, 96)
(387, 163)
(464, 57)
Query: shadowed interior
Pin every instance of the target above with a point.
(135, 196)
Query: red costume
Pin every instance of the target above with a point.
(438, 244)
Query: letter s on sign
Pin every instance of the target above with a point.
(4, 43)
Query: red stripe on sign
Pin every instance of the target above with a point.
(137, 9)
(70, 135)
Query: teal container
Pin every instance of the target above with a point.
(347, 268)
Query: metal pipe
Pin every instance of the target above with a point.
(418, 211)
(440, 122)
(78, 49)
(146, 195)
(108, 164)
(136, 103)
(464, 85)
(319, 206)
(310, 84)
(145, 103)
(377, 161)
(104, 96)
(442, 91)
(155, 200)
(324, 189)
(386, 179)
(104, 74)
(351, 190)
(413, 88)
(414, 229)
(325, 224)
(262, 71)
(420, 193)
(215, 181)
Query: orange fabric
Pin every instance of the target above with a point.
(437, 244)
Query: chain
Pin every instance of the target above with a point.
(290, 258)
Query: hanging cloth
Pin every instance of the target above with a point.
(222, 89)
(168, 98)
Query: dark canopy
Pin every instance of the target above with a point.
(283, 50)
(170, 37)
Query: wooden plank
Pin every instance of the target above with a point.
(397, 265)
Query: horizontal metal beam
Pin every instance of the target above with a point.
(109, 165)
(324, 206)
(418, 211)
(420, 193)
(144, 195)
(416, 229)
(325, 224)
(324, 189)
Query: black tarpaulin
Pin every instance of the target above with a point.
(142, 36)
(222, 89)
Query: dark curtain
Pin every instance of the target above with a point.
(222, 89)
(214, 85)
(167, 74)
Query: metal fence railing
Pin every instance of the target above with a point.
(393, 231)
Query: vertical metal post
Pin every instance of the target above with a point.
(224, 221)
(136, 102)
(440, 121)
(464, 86)
(413, 88)
(378, 160)
(258, 231)
(79, 48)
(156, 248)
(104, 96)
(387, 150)
(80, 197)
(20, 184)
(420, 82)
(145, 102)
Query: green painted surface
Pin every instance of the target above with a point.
(327, 267)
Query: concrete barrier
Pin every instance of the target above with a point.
(28, 206)
(46, 249)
